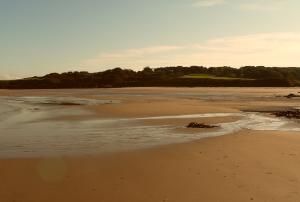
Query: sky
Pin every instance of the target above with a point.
(42, 36)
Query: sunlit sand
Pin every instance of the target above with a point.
(123, 141)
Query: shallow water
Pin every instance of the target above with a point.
(27, 131)
(34, 100)
(225, 96)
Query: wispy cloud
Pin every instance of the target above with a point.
(263, 5)
(126, 56)
(140, 51)
(208, 3)
(7, 77)
(258, 5)
(270, 49)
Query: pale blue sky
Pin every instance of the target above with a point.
(42, 36)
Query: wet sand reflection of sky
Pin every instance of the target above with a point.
(26, 128)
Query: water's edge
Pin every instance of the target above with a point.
(22, 136)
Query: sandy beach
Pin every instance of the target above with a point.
(253, 162)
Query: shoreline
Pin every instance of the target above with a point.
(145, 132)
(91, 122)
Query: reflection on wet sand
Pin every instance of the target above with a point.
(31, 126)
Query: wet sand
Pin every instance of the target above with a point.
(247, 165)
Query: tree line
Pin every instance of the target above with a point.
(247, 76)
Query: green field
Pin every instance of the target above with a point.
(209, 76)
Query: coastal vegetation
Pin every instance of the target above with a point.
(194, 76)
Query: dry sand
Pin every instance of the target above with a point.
(258, 166)
(245, 166)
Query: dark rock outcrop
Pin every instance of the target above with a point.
(291, 114)
(200, 125)
(292, 95)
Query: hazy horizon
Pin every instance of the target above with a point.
(39, 37)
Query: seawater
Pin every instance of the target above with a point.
(25, 128)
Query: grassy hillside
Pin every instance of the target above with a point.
(209, 76)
